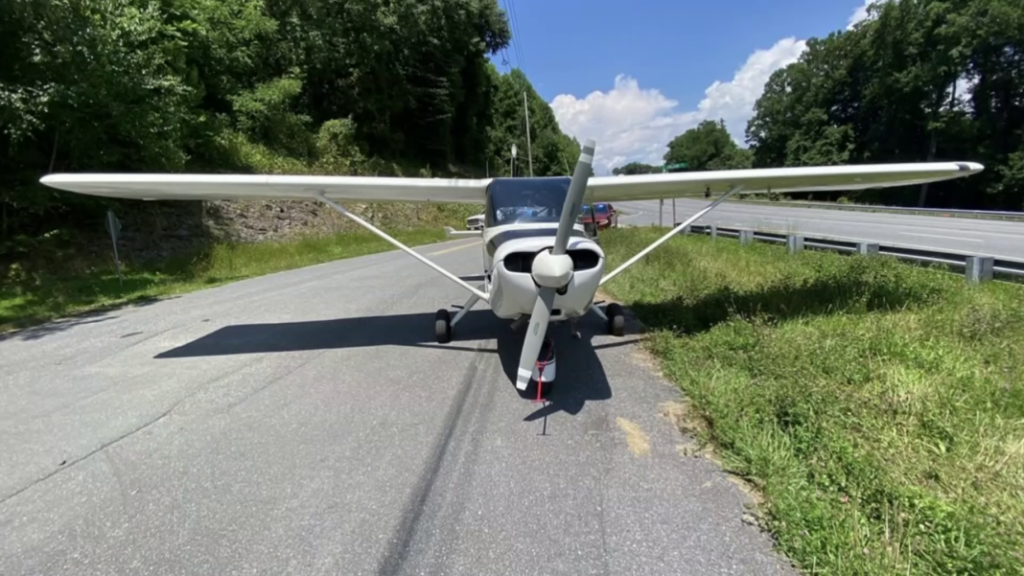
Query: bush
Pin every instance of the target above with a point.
(337, 149)
(265, 114)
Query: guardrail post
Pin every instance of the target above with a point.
(794, 244)
(979, 268)
(714, 231)
(746, 236)
(866, 248)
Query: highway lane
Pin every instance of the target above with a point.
(305, 423)
(1002, 239)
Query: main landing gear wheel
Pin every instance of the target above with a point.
(616, 321)
(443, 326)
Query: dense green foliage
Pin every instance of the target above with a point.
(327, 86)
(919, 80)
(877, 406)
(636, 168)
(707, 146)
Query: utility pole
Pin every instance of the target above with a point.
(512, 161)
(529, 149)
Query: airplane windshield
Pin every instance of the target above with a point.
(526, 200)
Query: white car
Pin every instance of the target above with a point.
(475, 222)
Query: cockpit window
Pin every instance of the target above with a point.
(525, 200)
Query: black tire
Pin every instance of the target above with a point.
(443, 326)
(616, 321)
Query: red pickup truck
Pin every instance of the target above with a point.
(602, 214)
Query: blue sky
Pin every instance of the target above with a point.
(634, 74)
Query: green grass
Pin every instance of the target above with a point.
(30, 298)
(878, 407)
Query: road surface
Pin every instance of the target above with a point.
(305, 423)
(1001, 239)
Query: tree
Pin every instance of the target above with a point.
(636, 168)
(554, 153)
(921, 80)
(259, 86)
(708, 146)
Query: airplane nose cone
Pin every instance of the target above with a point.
(552, 271)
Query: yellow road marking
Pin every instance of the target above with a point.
(453, 249)
(638, 442)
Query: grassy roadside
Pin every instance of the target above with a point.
(878, 407)
(27, 299)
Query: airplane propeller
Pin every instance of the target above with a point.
(552, 269)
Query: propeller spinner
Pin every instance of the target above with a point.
(552, 269)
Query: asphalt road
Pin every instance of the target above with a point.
(1002, 239)
(306, 423)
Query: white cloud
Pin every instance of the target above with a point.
(861, 13)
(634, 124)
(625, 122)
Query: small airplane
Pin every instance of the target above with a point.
(539, 263)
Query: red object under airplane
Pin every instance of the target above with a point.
(602, 214)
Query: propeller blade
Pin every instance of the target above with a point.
(535, 336)
(541, 316)
(574, 199)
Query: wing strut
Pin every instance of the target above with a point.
(402, 247)
(671, 233)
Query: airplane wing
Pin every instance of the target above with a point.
(810, 179)
(599, 189)
(228, 187)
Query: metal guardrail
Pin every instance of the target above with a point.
(976, 267)
(994, 214)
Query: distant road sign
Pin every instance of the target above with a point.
(671, 167)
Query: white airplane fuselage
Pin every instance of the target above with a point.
(508, 253)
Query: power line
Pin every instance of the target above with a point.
(510, 12)
(515, 31)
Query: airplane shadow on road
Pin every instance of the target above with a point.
(580, 377)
